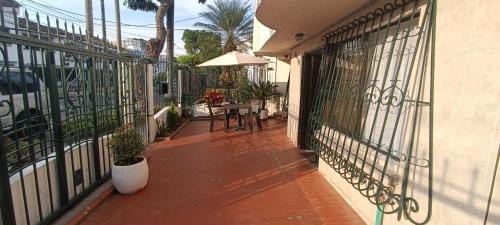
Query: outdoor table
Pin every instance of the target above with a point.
(228, 107)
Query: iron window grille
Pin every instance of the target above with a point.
(373, 105)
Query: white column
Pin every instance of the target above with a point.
(179, 87)
(150, 98)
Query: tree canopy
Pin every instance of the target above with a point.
(200, 46)
(232, 20)
(155, 45)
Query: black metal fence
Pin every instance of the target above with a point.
(60, 100)
(181, 85)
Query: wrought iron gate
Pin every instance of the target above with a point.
(60, 102)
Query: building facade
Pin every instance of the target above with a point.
(278, 70)
(137, 46)
(399, 99)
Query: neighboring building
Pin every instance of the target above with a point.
(57, 36)
(384, 102)
(137, 46)
(278, 71)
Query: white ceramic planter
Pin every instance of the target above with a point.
(217, 110)
(243, 111)
(130, 179)
(264, 114)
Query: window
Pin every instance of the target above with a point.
(362, 85)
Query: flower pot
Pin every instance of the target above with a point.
(263, 114)
(217, 110)
(130, 179)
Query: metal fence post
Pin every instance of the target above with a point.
(179, 87)
(95, 136)
(62, 180)
(6, 205)
(116, 76)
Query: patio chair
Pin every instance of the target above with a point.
(214, 116)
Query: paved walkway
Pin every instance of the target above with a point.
(228, 178)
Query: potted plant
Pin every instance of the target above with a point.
(130, 170)
(263, 91)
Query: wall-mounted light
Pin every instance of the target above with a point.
(299, 36)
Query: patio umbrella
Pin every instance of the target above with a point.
(235, 59)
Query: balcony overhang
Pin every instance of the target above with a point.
(289, 17)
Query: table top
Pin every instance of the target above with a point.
(237, 106)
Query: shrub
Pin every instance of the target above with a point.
(127, 145)
(172, 116)
(263, 91)
(213, 97)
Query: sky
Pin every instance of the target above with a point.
(185, 10)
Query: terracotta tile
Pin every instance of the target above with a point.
(228, 178)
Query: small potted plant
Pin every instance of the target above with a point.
(263, 91)
(130, 170)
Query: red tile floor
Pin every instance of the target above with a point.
(235, 177)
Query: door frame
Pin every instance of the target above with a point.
(307, 93)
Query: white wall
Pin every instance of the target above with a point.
(44, 169)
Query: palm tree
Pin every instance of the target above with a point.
(155, 45)
(232, 20)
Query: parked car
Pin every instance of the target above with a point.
(15, 112)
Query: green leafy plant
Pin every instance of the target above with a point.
(228, 82)
(162, 130)
(17, 152)
(244, 90)
(127, 144)
(263, 91)
(172, 116)
(77, 130)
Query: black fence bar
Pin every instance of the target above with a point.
(6, 206)
(58, 131)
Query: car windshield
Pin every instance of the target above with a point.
(16, 86)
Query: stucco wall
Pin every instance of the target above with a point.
(78, 153)
(467, 115)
